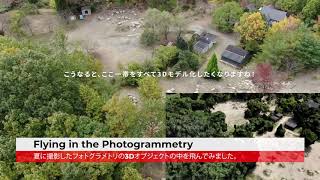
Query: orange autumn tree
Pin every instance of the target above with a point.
(252, 29)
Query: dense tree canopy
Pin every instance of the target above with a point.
(38, 99)
(292, 51)
(226, 16)
(189, 116)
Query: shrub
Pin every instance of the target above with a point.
(187, 61)
(148, 37)
(182, 44)
(165, 56)
(280, 131)
(310, 137)
(132, 81)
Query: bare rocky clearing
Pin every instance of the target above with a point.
(111, 46)
(234, 112)
(309, 170)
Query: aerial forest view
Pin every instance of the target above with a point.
(102, 68)
(245, 115)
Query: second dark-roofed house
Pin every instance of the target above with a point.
(291, 124)
(272, 15)
(251, 7)
(235, 56)
(204, 43)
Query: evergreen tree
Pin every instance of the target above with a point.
(212, 67)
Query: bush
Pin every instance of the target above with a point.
(163, 5)
(187, 61)
(132, 81)
(280, 131)
(165, 56)
(244, 130)
(310, 137)
(287, 104)
(148, 37)
(182, 44)
(255, 107)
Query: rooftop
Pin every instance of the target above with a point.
(273, 14)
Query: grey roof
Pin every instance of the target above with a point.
(208, 37)
(291, 123)
(235, 54)
(274, 117)
(273, 14)
(312, 104)
(251, 7)
(200, 46)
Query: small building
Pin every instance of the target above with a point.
(86, 11)
(291, 124)
(235, 56)
(273, 15)
(204, 43)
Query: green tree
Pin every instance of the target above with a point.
(148, 37)
(187, 61)
(212, 67)
(122, 116)
(255, 107)
(311, 10)
(130, 173)
(280, 131)
(226, 16)
(149, 88)
(165, 56)
(182, 44)
(292, 51)
(310, 137)
(292, 6)
(159, 22)
(41, 98)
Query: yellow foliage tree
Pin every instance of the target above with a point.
(252, 27)
(288, 24)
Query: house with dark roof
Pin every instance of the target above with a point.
(273, 15)
(291, 124)
(235, 56)
(204, 43)
(251, 8)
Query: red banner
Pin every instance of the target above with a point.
(159, 156)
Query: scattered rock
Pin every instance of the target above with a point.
(282, 165)
(283, 178)
(301, 169)
(267, 172)
(172, 90)
(310, 173)
(100, 18)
